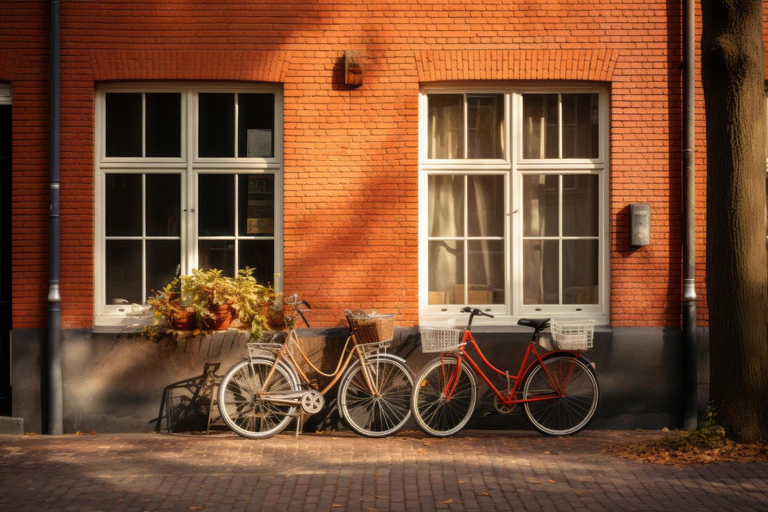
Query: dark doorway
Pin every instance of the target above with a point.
(5, 260)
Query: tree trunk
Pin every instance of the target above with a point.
(733, 75)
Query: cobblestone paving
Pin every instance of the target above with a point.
(472, 471)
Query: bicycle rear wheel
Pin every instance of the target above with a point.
(382, 415)
(244, 410)
(571, 413)
(438, 410)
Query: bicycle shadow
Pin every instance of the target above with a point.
(186, 404)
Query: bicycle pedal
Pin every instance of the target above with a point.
(314, 385)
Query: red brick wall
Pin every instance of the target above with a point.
(351, 158)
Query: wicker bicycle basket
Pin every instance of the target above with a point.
(371, 327)
(573, 335)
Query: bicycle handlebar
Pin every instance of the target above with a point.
(475, 312)
(296, 302)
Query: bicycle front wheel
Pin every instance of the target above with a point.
(244, 409)
(569, 414)
(376, 414)
(444, 397)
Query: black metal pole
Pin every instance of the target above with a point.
(55, 381)
(689, 372)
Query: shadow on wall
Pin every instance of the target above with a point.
(186, 405)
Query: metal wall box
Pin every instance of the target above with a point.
(353, 68)
(640, 214)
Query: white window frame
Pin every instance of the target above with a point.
(514, 167)
(189, 166)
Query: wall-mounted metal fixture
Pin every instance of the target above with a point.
(641, 224)
(353, 68)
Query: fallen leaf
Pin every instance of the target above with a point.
(551, 481)
(547, 453)
(446, 502)
(336, 505)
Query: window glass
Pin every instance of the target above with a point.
(216, 125)
(123, 204)
(446, 272)
(540, 205)
(123, 263)
(485, 126)
(163, 205)
(580, 271)
(219, 254)
(163, 258)
(446, 205)
(580, 205)
(485, 267)
(540, 137)
(216, 205)
(485, 205)
(255, 125)
(260, 256)
(256, 205)
(580, 126)
(541, 260)
(446, 126)
(163, 124)
(123, 125)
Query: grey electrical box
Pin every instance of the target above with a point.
(641, 224)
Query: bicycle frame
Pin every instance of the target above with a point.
(468, 340)
(344, 360)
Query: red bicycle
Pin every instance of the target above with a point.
(557, 389)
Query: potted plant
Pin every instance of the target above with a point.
(167, 304)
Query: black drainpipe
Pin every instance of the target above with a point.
(54, 399)
(689, 374)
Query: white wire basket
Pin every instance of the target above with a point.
(440, 337)
(574, 335)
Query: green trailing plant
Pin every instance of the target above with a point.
(207, 293)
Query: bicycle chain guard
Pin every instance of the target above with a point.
(312, 401)
(501, 407)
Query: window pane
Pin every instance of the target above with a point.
(485, 205)
(580, 269)
(163, 257)
(123, 124)
(446, 272)
(486, 271)
(122, 200)
(256, 205)
(540, 210)
(219, 254)
(255, 125)
(540, 126)
(216, 205)
(163, 204)
(580, 205)
(580, 126)
(540, 272)
(485, 126)
(123, 264)
(446, 126)
(446, 205)
(164, 124)
(216, 131)
(258, 255)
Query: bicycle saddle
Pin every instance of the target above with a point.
(535, 323)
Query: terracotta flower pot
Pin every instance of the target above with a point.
(222, 317)
(182, 319)
(275, 320)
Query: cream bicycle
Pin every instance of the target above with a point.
(259, 396)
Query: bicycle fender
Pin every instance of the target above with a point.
(560, 353)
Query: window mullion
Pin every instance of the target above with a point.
(143, 236)
(559, 125)
(560, 239)
(237, 212)
(466, 241)
(237, 110)
(466, 126)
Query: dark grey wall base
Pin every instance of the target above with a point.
(122, 383)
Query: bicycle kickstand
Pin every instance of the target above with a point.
(299, 424)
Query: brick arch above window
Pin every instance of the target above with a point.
(220, 65)
(459, 65)
(9, 60)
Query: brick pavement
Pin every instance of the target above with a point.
(472, 471)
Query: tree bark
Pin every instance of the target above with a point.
(733, 75)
